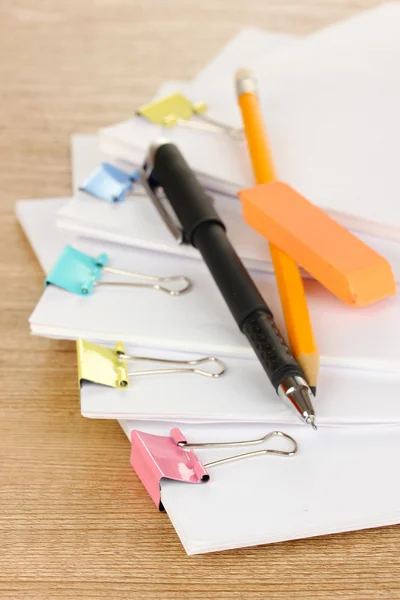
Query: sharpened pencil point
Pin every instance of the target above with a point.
(313, 390)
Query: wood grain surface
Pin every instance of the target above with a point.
(74, 520)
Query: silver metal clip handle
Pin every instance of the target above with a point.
(211, 124)
(273, 451)
(186, 366)
(183, 282)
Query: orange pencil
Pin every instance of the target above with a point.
(290, 284)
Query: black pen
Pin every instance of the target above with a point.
(165, 169)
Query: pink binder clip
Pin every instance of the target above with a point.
(157, 457)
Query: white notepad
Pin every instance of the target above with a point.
(199, 321)
(331, 105)
(241, 395)
(341, 479)
(135, 221)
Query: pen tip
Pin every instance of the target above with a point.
(311, 421)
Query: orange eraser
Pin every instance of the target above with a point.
(329, 252)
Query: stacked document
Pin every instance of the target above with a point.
(157, 347)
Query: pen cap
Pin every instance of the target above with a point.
(345, 265)
(191, 204)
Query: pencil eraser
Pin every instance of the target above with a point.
(344, 264)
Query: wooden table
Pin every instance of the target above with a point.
(74, 520)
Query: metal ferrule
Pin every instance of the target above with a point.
(246, 83)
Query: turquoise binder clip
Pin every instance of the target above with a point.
(79, 273)
(109, 183)
(76, 271)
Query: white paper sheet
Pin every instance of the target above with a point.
(38, 220)
(344, 396)
(199, 321)
(135, 222)
(341, 479)
(242, 394)
(331, 105)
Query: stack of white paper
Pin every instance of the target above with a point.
(241, 395)
(334, 134)
(199, 320)
(330, 102)
(136, 222)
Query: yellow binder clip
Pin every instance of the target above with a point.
(108, 366)
(101, 365)
(176, 109)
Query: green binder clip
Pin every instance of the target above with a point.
(76, 271)
(79, 273)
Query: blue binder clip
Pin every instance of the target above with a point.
(76, 271)
(79, 273)
(109, 183)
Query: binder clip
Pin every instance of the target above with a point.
(107, 366)
(176, 109)
(79, 273)
(110, 183)
(157, 457)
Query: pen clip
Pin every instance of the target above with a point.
(154, 191)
